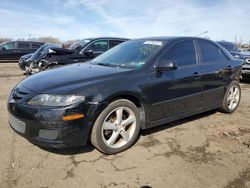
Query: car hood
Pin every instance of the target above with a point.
(68, 78)
(245, 54)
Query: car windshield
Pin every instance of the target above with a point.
(77, 46)
(132, 54)
(228, 45)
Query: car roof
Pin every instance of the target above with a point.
(110, 38)
(225, 42)
(23, 41)
(169, 38)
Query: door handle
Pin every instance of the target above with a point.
(196, 75)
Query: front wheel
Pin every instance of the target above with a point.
(117, 127)
(232, 98)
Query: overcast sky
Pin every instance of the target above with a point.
(71, 19)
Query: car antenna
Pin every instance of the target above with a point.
(201, 33)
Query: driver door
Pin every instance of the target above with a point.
(176, 92)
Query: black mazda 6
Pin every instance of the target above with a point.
(139, 84)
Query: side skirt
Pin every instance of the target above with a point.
(179, 116)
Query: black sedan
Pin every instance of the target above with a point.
(81, 51)
(136, 85)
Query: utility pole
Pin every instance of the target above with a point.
(235, 39)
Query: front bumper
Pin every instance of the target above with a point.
(45, 127)
(21, 64)
(245, 70)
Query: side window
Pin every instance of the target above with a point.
(183, 53)
(113, 43)
(209, 52)
(35, 45)
(99, 46)
(23, 45)
(9, 46)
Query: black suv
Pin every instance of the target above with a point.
(13, 50)
(80, 51)
(136, 85)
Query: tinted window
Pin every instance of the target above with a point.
(23, 45)
(99, 46)
(113, 43)
(35, 45)
(183, 53)
(9, 46)
(209, 52)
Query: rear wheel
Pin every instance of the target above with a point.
(232, 98)
(117, 127)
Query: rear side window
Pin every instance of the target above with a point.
(35, 45)
(23, 45)
(183, 53)
(113, 43)
(209, 52)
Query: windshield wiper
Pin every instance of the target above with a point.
(107, 64)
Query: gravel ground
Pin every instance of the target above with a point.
(208, 150)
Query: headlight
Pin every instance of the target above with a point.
(55, 100)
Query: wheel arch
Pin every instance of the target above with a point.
(134, 98)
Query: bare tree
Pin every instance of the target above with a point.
(2, 39)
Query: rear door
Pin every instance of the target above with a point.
(216, 71)
(177, 91)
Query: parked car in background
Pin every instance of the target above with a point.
(136, 85)
(13, 50)
(36, 57)
(237, 53)
(80, 51)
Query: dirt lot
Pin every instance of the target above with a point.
(208, 150)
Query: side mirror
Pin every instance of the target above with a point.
(89, 53)
(166, 65)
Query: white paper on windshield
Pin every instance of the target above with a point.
(86, 41)
(158, 43)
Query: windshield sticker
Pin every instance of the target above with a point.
(158, 43)
(86, 41)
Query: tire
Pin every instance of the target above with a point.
(232, 98)
(117, 127)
